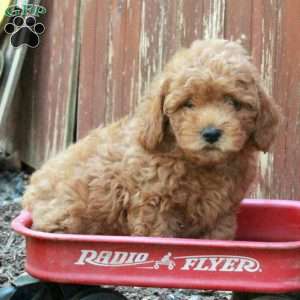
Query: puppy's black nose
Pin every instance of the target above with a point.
(211, 134)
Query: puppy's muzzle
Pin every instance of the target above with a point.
(211, 134)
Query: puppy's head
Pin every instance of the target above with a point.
(208, 104)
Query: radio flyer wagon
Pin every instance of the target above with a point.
(265, 257)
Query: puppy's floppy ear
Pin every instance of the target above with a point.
(151, 132)
(267, 121)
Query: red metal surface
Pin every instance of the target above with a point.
(265, 258)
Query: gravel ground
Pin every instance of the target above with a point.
(11, 245)
(12, 254)
(171, 294)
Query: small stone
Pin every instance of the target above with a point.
(171, 297)
(195, 297)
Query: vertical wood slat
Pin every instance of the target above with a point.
(190, 14)
(125, 24)
(286, 171)
(264, 34)
(238, 21)
(46, 120)
(95, 58)
(213, 18)
(159, 39)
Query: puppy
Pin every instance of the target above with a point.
(178, 168)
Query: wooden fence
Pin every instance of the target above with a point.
(97, 57)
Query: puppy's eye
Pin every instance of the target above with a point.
(248, 106)
(232, 101)
(188, 104)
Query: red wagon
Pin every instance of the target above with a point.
(264, 258)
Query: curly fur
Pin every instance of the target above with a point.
(154, 174)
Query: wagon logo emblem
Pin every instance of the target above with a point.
(195, 263)
(165, 261)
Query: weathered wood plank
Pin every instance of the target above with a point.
(95, 58)
(285, 175)
(190, 20)
(152, 47)
(238, 17)
(109, 62)
(274, 35)
(159, 37)
(125, 24)
(264, 34)
(213, 18)
(46, 121)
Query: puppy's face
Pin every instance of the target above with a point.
(211, 116)
(212, 104)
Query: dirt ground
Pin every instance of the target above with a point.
(12, 248)
(12, 185)
(12, 253)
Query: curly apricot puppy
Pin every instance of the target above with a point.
(178, 168)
